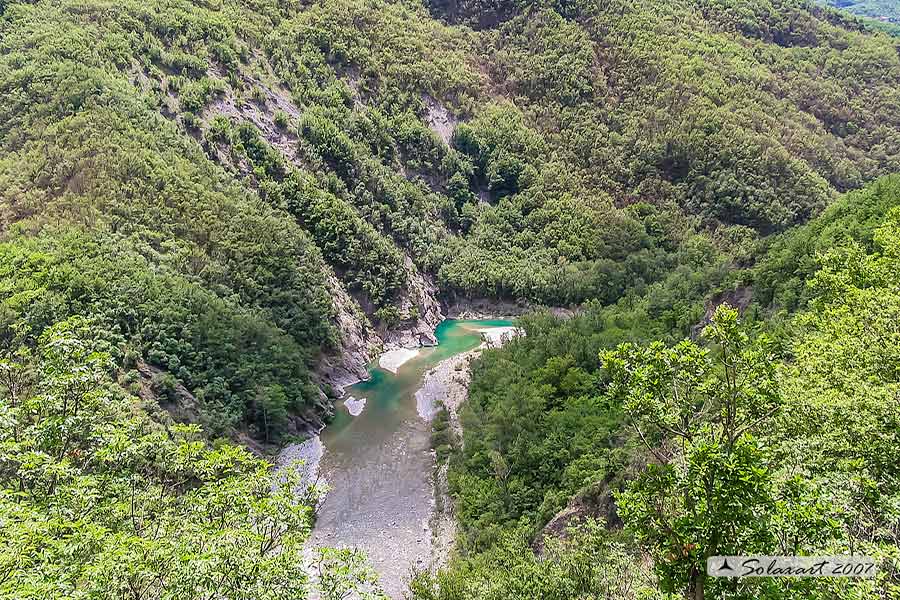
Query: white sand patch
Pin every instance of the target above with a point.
(433, 390)
(304, 458)
(497, 336)
(392, 360)
(355, 406)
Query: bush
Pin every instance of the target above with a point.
(281, 119)
(164, 385)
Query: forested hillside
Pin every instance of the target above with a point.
(609, 416)
(263, 159)
(875, 14)
(214, 212)
(883, 10)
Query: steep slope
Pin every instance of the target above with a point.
(548, 439)
(217, 211)
(882, 10)
(330, 171)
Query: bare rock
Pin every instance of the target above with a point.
(440, 120)
(739, 298)
(595, 503)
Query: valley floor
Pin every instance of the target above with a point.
(391, 500)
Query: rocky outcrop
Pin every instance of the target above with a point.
(358, 341)
(180, 403)
(311, 420)
(446, 384)
(422, 304)
(739, 298)
(595, 503)
(440, 120)
(260, 112)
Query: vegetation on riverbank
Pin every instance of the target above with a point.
(103, 496)
(790, 417)
(186, 187)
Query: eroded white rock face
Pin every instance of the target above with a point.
(392, 360)
(440, 120)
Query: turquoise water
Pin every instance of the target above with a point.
(390, 398)
(379, 464)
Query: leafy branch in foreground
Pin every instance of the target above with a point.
(590, 561)
(709, 489)
(97, 500)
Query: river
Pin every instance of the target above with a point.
(379, 464)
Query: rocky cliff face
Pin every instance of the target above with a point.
(359, 341)
(422, 305)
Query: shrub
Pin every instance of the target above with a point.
(281, 119)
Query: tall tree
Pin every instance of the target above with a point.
(708, 489)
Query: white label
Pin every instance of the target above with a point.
(790, 566)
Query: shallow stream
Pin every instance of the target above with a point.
(378, 464)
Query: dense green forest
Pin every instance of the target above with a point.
(881, 15)
(197, 197)
(579, 408)
(248, 151)
(875, 9)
